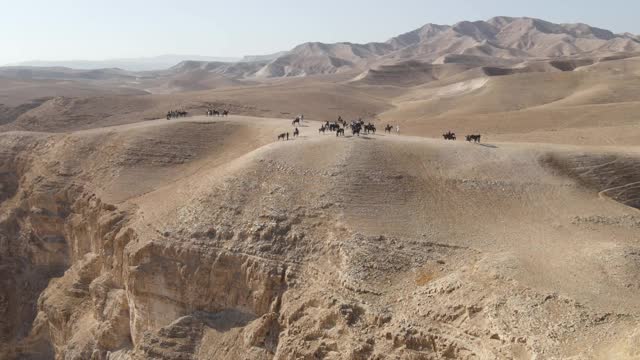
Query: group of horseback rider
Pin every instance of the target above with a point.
(176, 113)
(356, 126)
(452, 136)
(338, 126)
(214, 112)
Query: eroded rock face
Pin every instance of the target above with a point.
(85, 285)
(32, 247)
(165, 282)
(48, 242)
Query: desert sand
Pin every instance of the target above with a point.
(124, 235)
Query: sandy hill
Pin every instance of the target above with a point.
(564, 100)
(205, 238)
(594, 104)
(286, 99)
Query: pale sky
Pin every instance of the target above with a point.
(105, 29)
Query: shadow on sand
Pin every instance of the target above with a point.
(358, 137)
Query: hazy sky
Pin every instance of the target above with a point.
(91, 29)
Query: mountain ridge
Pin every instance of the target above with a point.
(497, 42)
(502, 37)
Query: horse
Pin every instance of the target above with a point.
(282, 136)
(370, 128)
(296, 121)
(449, 136)
(388, 128)
(296, 132)
(322, 129)
(225, 113)
(340, 132)
(474, 138)
(355, 129)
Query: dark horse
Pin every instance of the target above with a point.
(296, 121)
(296, 132)
(322, 129)
(449, 136)
(283, 135)
(355, 128)
(388, 128)
(474, 138)
(340, 132)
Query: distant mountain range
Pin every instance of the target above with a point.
(508, 42)
(496, 41)
(500, 41)
(133, 64)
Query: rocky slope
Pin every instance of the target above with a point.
(499, 38)
(499, 41)
(200, 239)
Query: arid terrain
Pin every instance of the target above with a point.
(125, 236)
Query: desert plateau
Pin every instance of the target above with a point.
(128, 233)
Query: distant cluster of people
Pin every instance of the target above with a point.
(470, 138)
(389, 128)
(214, 112)
(285, 136)
(176, 114)
(296, 132)
(359, 126)
(356, 126)
(339, 126)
